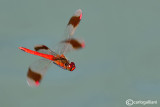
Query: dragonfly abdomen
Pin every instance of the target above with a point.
(50, 57)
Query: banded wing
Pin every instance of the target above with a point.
(37, 70)
(72, 43)
(44, 49)
(74, 22)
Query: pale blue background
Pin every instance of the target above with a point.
(121, 59)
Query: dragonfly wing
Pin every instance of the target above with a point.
(74, 22)
(71, 44)
(36, 72)
(44, 49)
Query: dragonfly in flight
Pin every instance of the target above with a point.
(37, 70)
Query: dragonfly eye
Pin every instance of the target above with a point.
(71, 66)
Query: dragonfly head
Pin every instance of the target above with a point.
(71, 66)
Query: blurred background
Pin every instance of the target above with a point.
(120, 61)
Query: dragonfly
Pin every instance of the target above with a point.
(37, 70)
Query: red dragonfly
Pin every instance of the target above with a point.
(37, 70)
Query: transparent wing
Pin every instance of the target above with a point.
(70, 43)
(74, 22)
(44, 49)
(36, 72)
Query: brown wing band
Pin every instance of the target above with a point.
(75, 44)
(41, 47)
(74, 21)
(33, 75)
